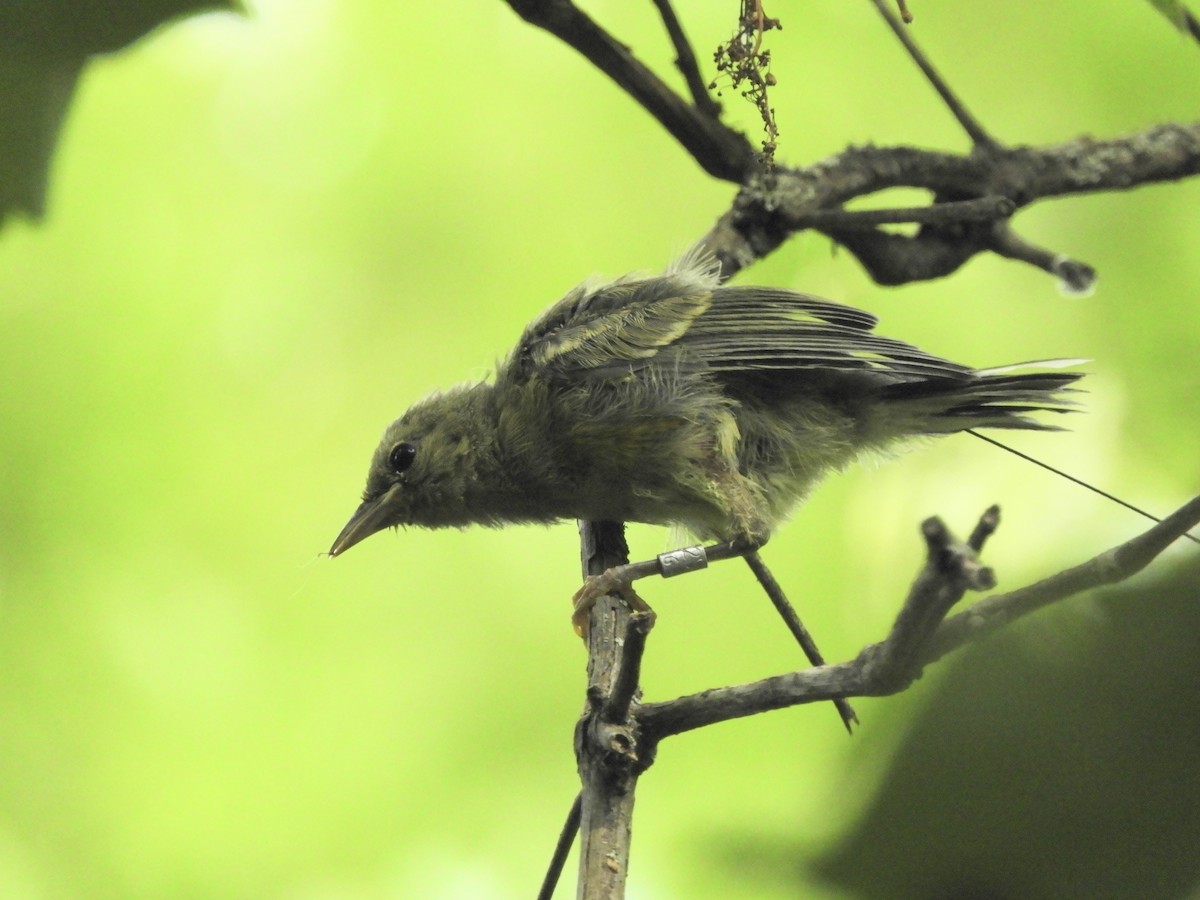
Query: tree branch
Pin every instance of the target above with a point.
(888, 667)
(720, 151)
(770, 208)
(685, 61)
(1110, 567)
(605, 738)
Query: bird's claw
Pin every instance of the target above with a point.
(597, 586)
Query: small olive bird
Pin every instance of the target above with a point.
(675, 400)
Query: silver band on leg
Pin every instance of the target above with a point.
(685, 559)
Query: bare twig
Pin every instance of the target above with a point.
(1075, 277)
(863, 676)
(721, 151)
(984, 209)
(562, 849)
(616, 706)
(685, 61)
(984, 529)
(969, 123)
(1109, 567)
(951, 569)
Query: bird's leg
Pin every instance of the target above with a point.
(618, 579)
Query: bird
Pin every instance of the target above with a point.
(674, 399)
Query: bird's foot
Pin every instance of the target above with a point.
(611, 581)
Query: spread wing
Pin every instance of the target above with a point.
(683, 321)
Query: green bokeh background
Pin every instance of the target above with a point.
(266, 236)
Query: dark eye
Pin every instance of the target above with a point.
(402, 456)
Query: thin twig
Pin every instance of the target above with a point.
(562, 849)
(969, 123)
(615, 708)
(802, 635)
(982, 209)
(984, 528)
(1076, 277)
(685, 61)
(951, 569)
(1109, 567)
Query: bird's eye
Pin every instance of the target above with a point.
(402, 456)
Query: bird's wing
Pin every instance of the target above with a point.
(748, 329)
(687, 323)
(612, 330)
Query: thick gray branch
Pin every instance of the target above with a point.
(771, 207)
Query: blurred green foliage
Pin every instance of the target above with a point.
(266, 236)
(1050, 762)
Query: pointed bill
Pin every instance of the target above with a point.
(372, 516)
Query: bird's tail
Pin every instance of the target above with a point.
(1003, 397)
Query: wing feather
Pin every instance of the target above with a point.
(684, 321)
(614, 329)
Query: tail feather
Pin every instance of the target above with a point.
(988, 399)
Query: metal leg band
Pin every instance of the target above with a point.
(685, 559)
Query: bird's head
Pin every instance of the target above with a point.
(423, 468)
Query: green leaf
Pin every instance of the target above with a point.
(44, 46)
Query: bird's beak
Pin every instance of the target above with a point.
(370, 517)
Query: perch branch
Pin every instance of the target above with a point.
(606, 748)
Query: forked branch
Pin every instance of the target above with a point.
(617, 738)
(891, 665)
(973, 195)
